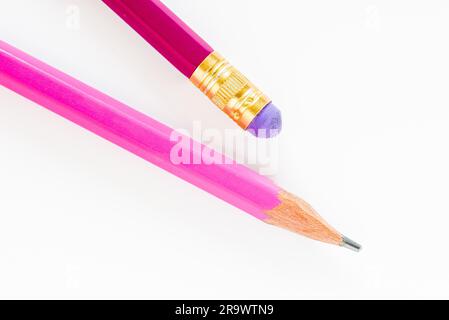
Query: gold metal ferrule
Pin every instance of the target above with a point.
(229, 89)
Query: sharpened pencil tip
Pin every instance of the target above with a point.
(351, 245)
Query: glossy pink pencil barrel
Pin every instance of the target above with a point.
(155, 143)
(132, 130)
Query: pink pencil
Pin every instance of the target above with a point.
(151, 140)
(228, 89)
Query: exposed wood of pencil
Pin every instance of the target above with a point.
(294, 214)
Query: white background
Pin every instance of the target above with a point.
(363, 86)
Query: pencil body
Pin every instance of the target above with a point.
(168, 34)
(134, 131)
(221, 82)
(158, 144)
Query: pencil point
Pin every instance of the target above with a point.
(351, 245)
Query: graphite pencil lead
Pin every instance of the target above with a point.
(351, 245)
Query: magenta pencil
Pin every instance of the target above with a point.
(153, 141)
(233, 93)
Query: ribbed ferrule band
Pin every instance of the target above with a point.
(229, 90)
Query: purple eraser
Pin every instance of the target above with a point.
(268, 123)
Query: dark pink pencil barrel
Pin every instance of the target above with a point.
(164, 31)
(221, 82)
